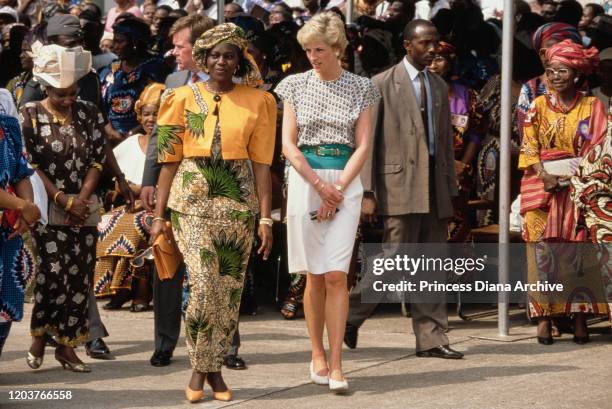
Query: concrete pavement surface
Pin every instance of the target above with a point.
(383, 371)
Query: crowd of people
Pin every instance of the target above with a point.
(154, 122)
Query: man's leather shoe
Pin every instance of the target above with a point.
(97, 349)
(161, 358)
(234, 362)
(443, 351)
(350, 336)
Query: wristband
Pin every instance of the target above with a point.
(69, 203)
(266, 221)
(59, 192)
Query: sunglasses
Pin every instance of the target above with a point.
(141, 257)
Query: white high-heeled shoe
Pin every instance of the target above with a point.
(316, 378)
(338, 386)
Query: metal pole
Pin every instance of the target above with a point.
(504, 164)
(349, 12)
(220, 10)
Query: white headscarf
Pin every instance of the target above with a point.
(60, 67)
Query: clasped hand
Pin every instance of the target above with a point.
(330, 200)
(79, 211)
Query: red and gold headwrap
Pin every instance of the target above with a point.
(446, 50)
(231, 34)
(572, 55)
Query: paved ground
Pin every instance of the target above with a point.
(383, 371)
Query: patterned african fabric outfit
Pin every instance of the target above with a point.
(120, 236)
(120, 91)
(17, 84)
(64, 153)
(15, 265)
(592, 193)
(487, 161)
(464, 118)
(213, 204)
(529, 92)
(553, 133)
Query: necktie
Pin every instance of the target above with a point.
(424, 113)
(194, 77)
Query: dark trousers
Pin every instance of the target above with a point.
(96, 326)
(167, 297)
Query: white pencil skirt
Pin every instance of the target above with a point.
(314, 247)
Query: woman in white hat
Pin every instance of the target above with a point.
(65, 144)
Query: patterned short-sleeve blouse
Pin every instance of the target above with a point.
(327, 111)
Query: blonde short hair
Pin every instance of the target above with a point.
(326, 27)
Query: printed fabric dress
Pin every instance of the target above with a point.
(15, 265)
(213, 204)
(67, 255)
(551, 133)
(121, 90)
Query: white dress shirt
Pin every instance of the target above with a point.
(413, 74)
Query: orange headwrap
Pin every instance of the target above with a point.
(151, 95)
(572, 55)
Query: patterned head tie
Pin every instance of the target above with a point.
(446, 50)
(572, 55)
(556, 31)
(151, 95)
(227, 33)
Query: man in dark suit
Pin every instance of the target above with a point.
(168, 294)
(410, 178)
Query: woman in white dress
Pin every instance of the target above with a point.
(326, 137)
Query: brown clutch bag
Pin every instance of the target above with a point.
(167, 256)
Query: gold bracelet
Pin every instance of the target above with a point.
(267, 221)
(69, 203)
(59, 192)
(161, 219)
(97, 165)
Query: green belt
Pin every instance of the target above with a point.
(331, 156)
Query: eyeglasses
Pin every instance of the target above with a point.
(561, 72)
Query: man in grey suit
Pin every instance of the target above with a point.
(410, 178)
